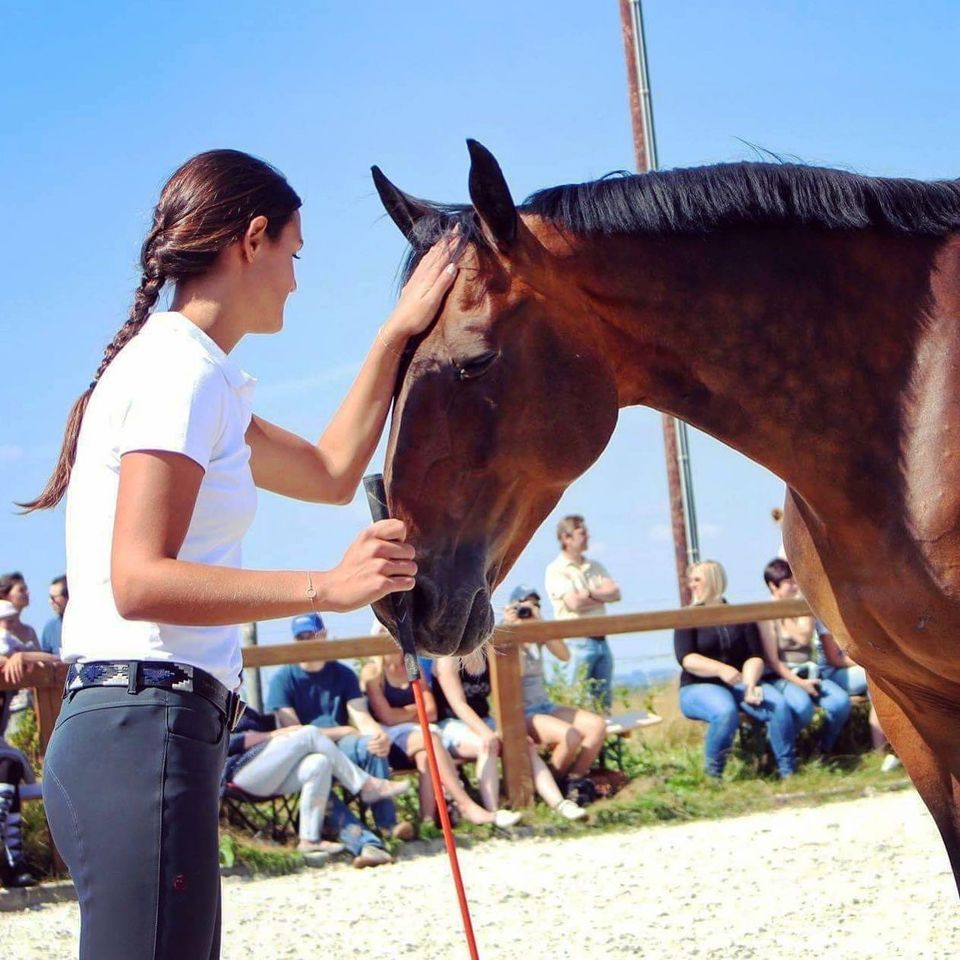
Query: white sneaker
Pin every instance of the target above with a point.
(506, 818)
(890, 762)
(570, 810)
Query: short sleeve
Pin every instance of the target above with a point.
(350, 684)
(177, 411)
(557, 584)
(754, 643)
(280, 692)
(684, 643)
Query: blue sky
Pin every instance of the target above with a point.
(101, 101)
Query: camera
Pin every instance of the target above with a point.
(526, 609)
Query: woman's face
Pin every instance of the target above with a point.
(19, 595)
(271, 278)
(697, 585)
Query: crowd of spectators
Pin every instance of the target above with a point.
(325, 725)
(777, 672)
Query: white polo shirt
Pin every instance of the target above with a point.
(172, 389)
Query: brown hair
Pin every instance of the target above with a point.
(205, 206)
(8, 581)
(568, 524)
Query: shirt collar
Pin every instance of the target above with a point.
(238, 378)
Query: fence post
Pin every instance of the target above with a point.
(507, 692)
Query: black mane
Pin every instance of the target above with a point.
(696, 200)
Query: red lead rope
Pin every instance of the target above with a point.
(445, 820)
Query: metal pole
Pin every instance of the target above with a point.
(686, 542)
(251, 676)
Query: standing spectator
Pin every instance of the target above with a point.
(50, 638)
(576, 735)
(14, 588)
(789, 653)
(721, 674)
(317, 692)
(580, 587)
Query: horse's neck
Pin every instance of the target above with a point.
(791, 345)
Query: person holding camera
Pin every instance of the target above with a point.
(575, 735)
(580, 587)
(788, 647)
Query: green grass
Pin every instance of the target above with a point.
(667, 785)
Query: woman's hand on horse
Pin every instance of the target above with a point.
(423, 293)
(378, 562)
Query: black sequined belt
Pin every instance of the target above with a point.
(135, 675)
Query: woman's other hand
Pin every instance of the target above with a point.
(378, 562)
(753, 695)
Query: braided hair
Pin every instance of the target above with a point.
(204, 207)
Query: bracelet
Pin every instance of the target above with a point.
(311, 592)
(385, 343)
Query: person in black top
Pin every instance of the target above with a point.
(722, 667)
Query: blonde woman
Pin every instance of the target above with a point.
(721, 674)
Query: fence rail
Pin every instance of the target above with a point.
(46, 680)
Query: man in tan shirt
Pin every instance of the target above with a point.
(580, 587)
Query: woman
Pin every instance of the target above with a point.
(264, 760)
(160, 463)
(788, 650)
(388, 691)
(14, 590)
(721, 674)
(575, 735)
(469, 732)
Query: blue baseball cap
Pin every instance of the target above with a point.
(522, 592)
(306, 623)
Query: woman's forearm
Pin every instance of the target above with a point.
(701, 666)
(199, 595)
(351, 437)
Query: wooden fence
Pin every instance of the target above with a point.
(46, 680)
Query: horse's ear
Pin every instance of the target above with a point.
(491, 196)
(404, 210)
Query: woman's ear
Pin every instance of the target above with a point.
(253, 238)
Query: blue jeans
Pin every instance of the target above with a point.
(356, 748)
(719, 706)
(851, 679)
(593, 660)
(834, 700)
(349, 830)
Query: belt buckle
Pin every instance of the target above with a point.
(235, 710)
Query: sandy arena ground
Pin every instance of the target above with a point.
(866, 878)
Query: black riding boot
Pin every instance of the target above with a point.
(13, 868)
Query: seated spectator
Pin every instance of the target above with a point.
(264, 760)
(721, 676)
(575, 735)
(470, 733)
(14, 770)
(317, 693)
(847, 674)
(14, 588)
(14, 653)
(50, 638)
(791, 662)
(390, 695)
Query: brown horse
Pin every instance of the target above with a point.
(809, 318)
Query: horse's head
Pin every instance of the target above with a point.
(499, 406)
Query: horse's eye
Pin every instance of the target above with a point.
(477, 367)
